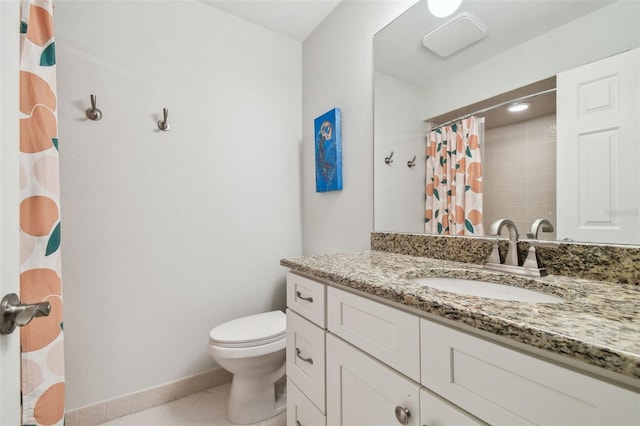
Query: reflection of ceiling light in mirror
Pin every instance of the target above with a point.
(443, 8)
(518, 107)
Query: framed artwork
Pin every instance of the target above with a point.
(328, 144)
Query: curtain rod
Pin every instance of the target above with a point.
(522, 98)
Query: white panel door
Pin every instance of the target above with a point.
(598, 131)
(363, 392)
(9, 199)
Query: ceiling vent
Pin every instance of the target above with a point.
(455, 35)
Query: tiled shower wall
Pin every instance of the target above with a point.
(520, 173)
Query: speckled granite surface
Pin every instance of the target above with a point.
(599, 323)
(613, 263)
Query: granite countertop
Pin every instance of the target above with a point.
(599, 322)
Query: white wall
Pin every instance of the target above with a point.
(166, 235)
(337, 71)
(399, 127)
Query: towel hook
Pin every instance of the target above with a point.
(411, 163)
(94, 113)
(388, 160)
(163, 124)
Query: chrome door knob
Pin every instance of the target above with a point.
(13, 313)
(402, 415)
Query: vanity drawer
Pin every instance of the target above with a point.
(300, 411)
(306, 297)
(306, 357)
(390, 335)
(503, 386)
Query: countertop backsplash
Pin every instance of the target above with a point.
(611, 263)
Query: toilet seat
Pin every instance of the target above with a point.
(250, 335)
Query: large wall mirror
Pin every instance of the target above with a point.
(533, 51)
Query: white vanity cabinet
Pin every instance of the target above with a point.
(375, 364)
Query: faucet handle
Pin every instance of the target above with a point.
(531, 261)
(494, 256)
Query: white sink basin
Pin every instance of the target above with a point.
(487, 289)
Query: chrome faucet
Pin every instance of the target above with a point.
(510, 264)
(537, 225)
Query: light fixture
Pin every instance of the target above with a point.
(443, 8)
(517, 107)
(455, 35)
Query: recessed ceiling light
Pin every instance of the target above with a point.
(443, 8)
(519, 107)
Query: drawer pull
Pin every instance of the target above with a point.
(309, 360)
(402, 415)
(300, 296)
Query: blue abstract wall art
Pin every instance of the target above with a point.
(328, 143)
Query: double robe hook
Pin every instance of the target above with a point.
(95, 114)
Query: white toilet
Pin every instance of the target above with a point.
(252, 348)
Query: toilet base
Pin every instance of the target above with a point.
(252, 401)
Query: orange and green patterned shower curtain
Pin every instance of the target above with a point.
(454, 180)
(42, 339)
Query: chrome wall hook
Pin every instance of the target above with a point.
(411, 163)
(94, 113)
(163, 124)
(388, 160)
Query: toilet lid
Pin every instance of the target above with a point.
(251, 330)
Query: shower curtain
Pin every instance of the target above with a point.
(454, 180)
(42, 339)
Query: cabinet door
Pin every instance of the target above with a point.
(386, 333)
(362, 391)
(305, 357)
(505, 387)
(300, 411)
(435, 411)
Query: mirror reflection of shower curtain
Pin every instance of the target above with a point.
(453, 203)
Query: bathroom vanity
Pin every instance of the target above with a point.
(368, 345)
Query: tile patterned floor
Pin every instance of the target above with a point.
(205, 408)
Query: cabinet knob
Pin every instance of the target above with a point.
(402, 415)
